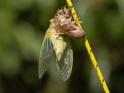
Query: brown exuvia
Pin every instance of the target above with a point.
(65, 25)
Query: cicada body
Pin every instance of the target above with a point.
(58, 48)
(56, 43)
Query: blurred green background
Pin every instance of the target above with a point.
(22, 27)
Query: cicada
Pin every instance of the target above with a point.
(56, 44)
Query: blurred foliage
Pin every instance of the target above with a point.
(22, 27)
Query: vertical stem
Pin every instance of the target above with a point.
(89, 50)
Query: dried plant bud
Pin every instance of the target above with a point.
(65, 24)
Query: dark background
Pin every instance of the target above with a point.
(22, 27)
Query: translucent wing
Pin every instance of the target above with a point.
(45, 55)
(65, 65)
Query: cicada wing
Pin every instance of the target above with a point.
(65, 65)
(45, 54)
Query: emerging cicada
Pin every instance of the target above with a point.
(56, 45)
